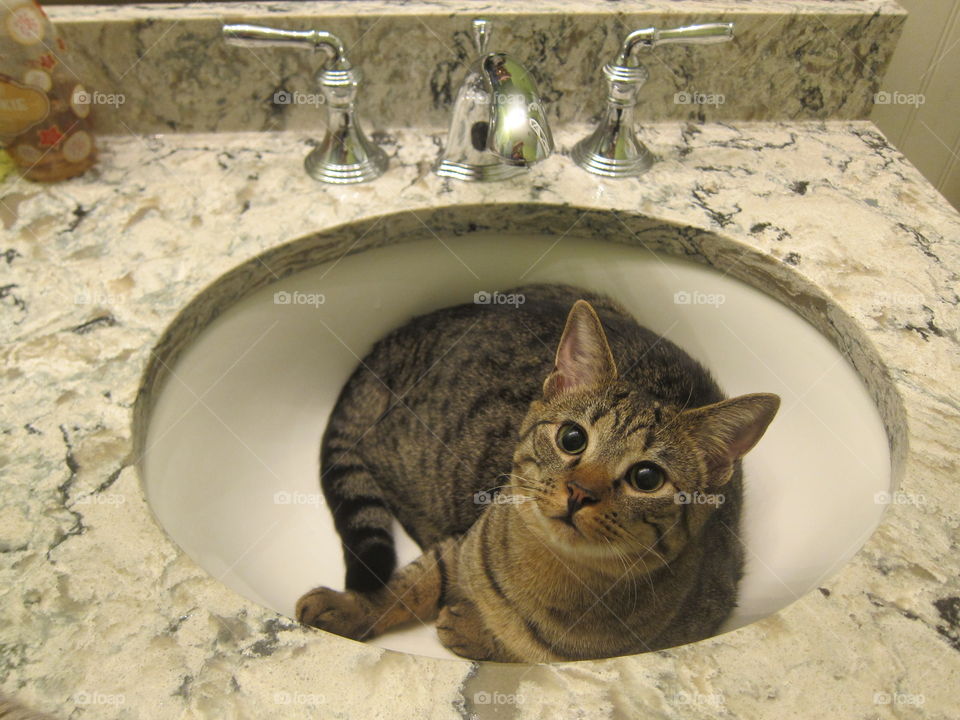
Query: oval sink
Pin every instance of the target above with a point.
(231, 447)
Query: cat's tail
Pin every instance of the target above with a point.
(360, 515)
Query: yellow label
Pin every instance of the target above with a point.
(21, 107)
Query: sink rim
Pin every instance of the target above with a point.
(704, 246)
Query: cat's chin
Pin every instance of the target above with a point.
(566, 530)
(564, 533)
(548, 526)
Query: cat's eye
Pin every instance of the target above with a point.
(572, 438)
(645, 476)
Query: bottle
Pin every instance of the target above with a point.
(44, 109)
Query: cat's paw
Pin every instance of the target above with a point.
(342, 613)
(461, 630)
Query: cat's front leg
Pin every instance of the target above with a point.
(415, 592)
(347, 613)
(462, 631)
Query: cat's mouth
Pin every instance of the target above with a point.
(559, 526)
(567, 519)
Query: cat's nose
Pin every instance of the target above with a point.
(578, 496)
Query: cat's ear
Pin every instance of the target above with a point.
(583, 356)
(727, 430)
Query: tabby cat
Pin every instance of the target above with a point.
(567, 509)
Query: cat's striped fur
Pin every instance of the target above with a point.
(569, 561)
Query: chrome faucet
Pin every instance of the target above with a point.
(345, 155)
(499, 128)
(614, 150)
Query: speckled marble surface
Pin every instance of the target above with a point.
(103, 616)
(789, 60)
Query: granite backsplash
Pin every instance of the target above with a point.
(168, 70)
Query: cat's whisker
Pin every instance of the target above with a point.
(624, 558)
(526, 479)
(517, 491)
(511, 476)
(617, 553)
(630, 536)
(650, 550)
(635, 583)
(524, 485)
(512, 487)
(521, 486)
(646, 574)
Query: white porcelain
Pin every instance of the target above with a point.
(231, 467)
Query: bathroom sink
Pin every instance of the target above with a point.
(232, 439)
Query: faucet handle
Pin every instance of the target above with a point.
(261, 36)
(613, 149)
(651, 37)
(345, 155)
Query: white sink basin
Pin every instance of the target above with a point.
(231, 466)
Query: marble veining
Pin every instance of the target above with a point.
(789, 60)
(103, 616)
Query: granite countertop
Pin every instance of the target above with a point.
(103, 616)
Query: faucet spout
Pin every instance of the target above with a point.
(519, 132)
(499, 127)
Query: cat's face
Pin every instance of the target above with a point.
(602, 473)
(606, 470)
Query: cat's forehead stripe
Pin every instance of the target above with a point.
(619, 405)
(639, 423)
(598, 412)
(648, 440)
